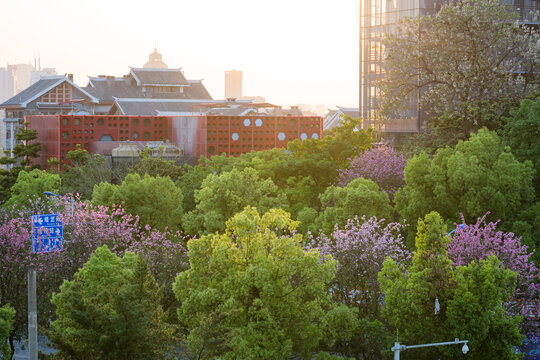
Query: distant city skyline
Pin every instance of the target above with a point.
(301, 52)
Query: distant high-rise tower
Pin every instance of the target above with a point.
(23, 72)
(233, 84)
(155, 61)
(7, 83)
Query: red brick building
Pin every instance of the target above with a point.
(196, 135)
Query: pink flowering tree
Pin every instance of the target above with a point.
(382, 164)
(477, 241)
(86, 227)
(361, 248)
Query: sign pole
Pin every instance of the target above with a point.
(32, 315)
(47, 236)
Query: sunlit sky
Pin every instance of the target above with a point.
(290, 51)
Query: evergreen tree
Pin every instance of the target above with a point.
(110, 311)
(21, 160)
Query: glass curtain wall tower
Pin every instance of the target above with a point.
(378, 18)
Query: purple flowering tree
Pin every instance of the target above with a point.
(86, 227)
(477, 241)
(382, 164)
(361, 248)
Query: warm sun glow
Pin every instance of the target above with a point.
(290, 52)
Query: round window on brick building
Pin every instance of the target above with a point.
(65, 134)
(146, 122)
(65, 122)
(211, 150)
(77, 122)
(135, 135)
(135, 122)
(146, 135)
(106, 137)
(100, 122)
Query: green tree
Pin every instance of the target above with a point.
(158, 167)
(410, 296)
(464, 61)
(23, 154)
(477, 313)
(110, 310)
(323, 157)
(78, 156)
(7, 315)
(359, 197)
(31, 185)
(193, 176)
(521, 134)
(81, 179)
(254, 293)
(156, 200)
(222, 196)
(470, 300)
(477, 176)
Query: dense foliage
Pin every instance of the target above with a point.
(21, 159)
(476, 176)
(358, 198)
(521, 134)
(252, 292)
(155, 200)
(222, 196)
(431, 301)
(7, 314)
(31, 185)
(110, 310)
(88, 172)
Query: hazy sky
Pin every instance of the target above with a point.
(290, 51)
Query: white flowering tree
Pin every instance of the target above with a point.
(471, 61)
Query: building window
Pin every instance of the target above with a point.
(65, 122)
(135, 135)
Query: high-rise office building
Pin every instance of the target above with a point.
(378, 18)
(233, 84)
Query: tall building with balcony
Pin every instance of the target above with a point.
(378, 18)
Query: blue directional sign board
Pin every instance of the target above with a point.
(47, 233)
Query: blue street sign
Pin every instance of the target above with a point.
(47, 233)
